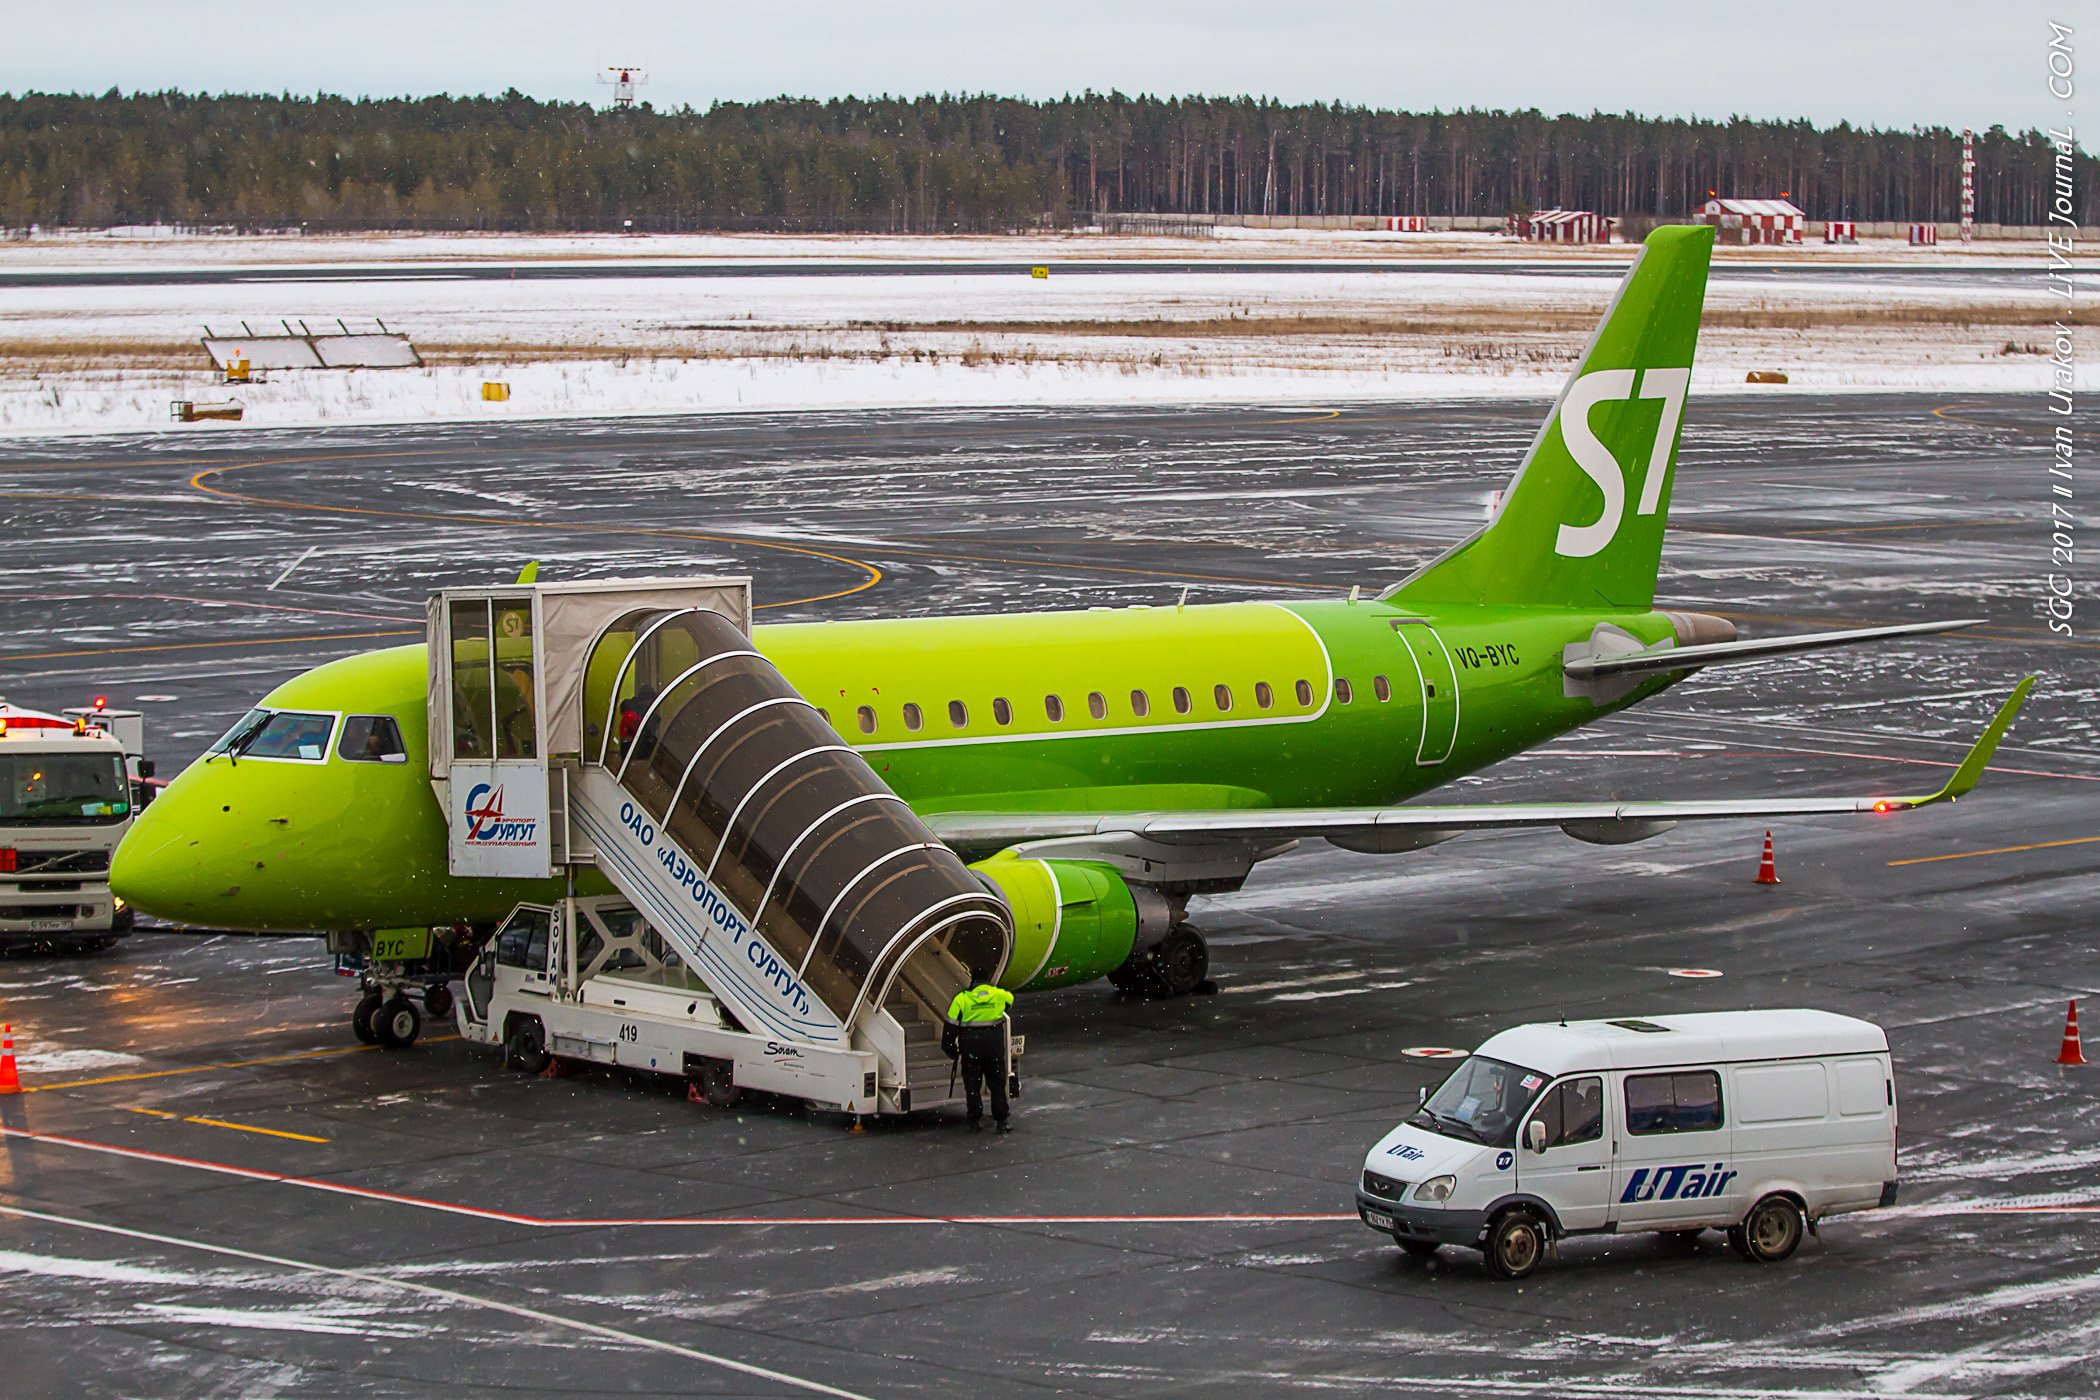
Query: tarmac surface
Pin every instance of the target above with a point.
(210, 1190)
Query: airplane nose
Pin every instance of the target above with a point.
(160, 869)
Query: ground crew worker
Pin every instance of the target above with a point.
(977, 1033)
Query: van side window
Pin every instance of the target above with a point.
(1687, 1101)
(1573, 1111)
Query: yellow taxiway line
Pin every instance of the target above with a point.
(222, 1123)
(1998, 851)
(230, 1064)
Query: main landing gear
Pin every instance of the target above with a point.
(1177, 966)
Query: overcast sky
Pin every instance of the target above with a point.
(1934, 62)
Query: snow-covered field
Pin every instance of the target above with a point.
(111, 358)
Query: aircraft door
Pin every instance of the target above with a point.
(1436, 680)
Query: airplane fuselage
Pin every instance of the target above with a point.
(1240, 705)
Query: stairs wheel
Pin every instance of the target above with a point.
(525, 1044)
(714, 1083)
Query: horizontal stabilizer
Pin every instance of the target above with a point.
(1676, 658)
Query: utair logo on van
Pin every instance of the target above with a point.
(1691, 1182)
(486, 824)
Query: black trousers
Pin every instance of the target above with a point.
(984, 1060)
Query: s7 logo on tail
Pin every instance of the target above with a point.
(1599, 462)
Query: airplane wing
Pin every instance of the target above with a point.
(1669, 657)
(1389, 829)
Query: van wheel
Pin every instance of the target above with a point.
(525, 1045)
(1515, 1244)
(397, 1023)
(1770, 1232)
(1420, 1249)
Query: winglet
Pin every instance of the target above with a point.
(1971, 769)
(530, 573)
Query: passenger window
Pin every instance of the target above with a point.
(371, 739)
(1342, 693)
(958, 714)
(1097, 705)
(912, 718)
(1054, 706)
(1140, 703)
(1264, 694)
(1223, 696)
(1305, 692)
(1002, 713)
(1382, 688)
(867, 719)
(1181, 700)
(1573, 1111)
(1685, 1102)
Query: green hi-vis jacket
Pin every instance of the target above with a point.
(981, 1003)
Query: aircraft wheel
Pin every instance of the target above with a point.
(525, 1044)
(437, 1001)
(361, 1017)
(1183, 961)
(397, 1023)
(715, 1082)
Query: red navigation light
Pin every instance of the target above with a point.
(101, 702)
(1881, 806)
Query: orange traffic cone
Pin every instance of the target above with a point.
(2071, 1054)
(10, 1082)
(1767, 873)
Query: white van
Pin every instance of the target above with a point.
(1759, 1123)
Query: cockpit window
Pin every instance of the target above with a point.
(282, 734)
(371, 739)
(240, 732)
(1482, 1101)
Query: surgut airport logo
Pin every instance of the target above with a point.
(486, 824)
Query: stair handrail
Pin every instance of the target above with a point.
(729, 824)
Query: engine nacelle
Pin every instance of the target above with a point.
(1074, 920)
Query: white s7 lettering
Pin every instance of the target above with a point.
(1598, 462)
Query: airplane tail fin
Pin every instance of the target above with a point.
(1581, 523)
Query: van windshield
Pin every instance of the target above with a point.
(1482, 1101)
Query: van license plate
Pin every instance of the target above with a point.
(50, 925)
(1378, 1220)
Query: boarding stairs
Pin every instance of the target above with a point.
(822, 915)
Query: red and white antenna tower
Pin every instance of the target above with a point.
(1968, 185)
(623, 79)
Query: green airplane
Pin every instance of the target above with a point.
(1098, 768)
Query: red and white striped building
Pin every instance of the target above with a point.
(1406, 223)
(1562, 226)
(1754, 220)
(1841, 231)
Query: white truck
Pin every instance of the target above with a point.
(69, 784)
(587, 980)
(1759, 1123)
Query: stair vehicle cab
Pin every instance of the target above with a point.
(1759, 1123)
(746, 903)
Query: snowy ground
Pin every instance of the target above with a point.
(111, 357)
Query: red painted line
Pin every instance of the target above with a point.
(169, 1159)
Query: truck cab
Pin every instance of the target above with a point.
(70, 785)
(1758, 1123)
